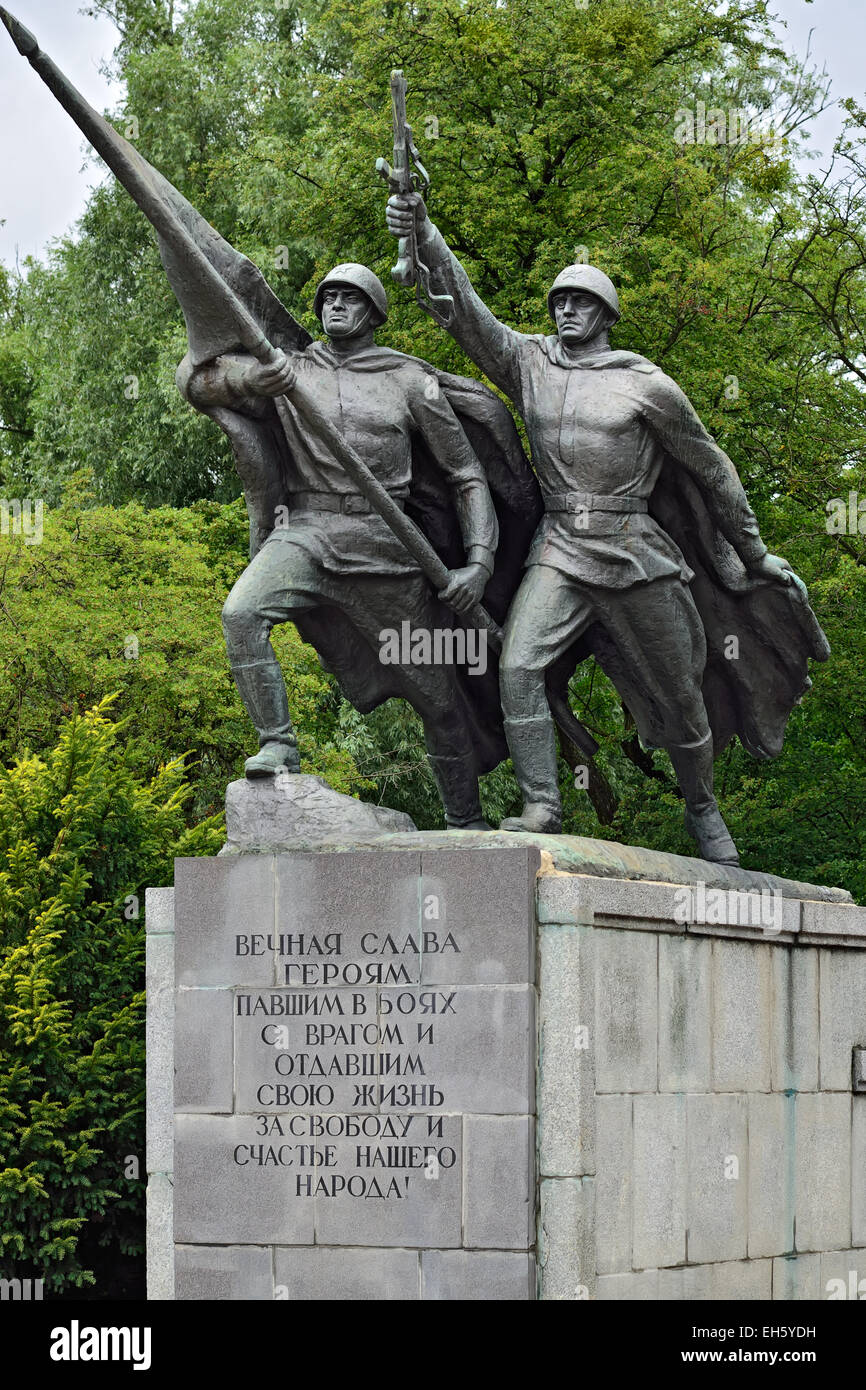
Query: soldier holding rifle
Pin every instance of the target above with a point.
(621, 455)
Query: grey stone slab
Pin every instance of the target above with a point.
(794, 1026)
(843, 1275)
(613, 1187)
(160, 1238)
(858, 1170)
(618, 902)
(224, 912)
(423, 1202)
(823, 1172)
(566, 1238)
(748, 1281)
(832, 922)
(628, 1288)
(272, 812)
(684, 1014)
(596, 859)
(626, 1010)
(482, 1054)
(485, 900)
(203, 1050)
(476, 1275)
(659, 1202)
(222, 1202)
(331, 1275)
(843, 1015)
(566, 1051)
(725, 1281)
(223, 1273)
(771, 1176)
(685, 1284)
(564, 899)
(749, 913)
(313, 1048)
(159, 1052)
(668, 1285)
(797, 1278)
(159, 910)
(741, 1016)
(718, 1173)
(498, 1182)
(371, 901)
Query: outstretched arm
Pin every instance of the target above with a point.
(491, 345)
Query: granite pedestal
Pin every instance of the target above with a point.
(464, 1065)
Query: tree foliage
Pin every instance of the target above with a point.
(81, 837)
(128, 600)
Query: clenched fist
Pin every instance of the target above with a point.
(401, 210)
(465, 587)
(275, 378)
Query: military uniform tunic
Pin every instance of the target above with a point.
(600, 427)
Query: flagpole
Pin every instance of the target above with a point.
(130, 168)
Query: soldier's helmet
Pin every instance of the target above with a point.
(360, 278)
(589, 280)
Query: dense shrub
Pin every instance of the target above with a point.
(81, 836)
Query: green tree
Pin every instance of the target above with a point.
(128, 600)
(81, 836)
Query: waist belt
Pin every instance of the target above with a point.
(593, 502)
(345, 502)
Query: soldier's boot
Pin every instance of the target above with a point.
(703, 819)
(263, 691)
(532, 744)
(458, 787)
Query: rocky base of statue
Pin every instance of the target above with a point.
(278, 812)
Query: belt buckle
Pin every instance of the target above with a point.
(353, 504)
(578, 501)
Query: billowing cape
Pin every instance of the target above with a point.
(777, 632)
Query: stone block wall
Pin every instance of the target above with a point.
(642, 1103)
(715, 1148)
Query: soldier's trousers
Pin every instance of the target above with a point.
(655, 629)
(283, 581)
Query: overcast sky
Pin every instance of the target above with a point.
(44, 176)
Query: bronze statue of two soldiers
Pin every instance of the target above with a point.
(619, 451)
(384, 494)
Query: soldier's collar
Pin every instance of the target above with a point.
(369, 359)
(607, 357)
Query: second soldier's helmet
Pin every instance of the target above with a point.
(350, 273)
(589, 280)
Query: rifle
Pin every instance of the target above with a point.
(408, 175)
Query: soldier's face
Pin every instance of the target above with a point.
(579, 316)
(345, 310)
